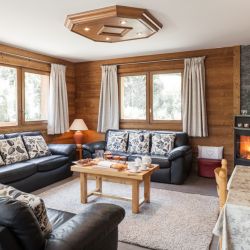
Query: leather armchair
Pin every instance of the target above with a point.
(94, 229)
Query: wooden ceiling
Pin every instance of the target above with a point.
(114, 24)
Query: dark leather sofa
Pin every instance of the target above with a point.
(174, 168)
(36, 173)
(94, 229)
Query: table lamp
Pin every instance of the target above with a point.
(78, 125)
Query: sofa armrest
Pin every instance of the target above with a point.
(179, 152)
(91, 147)
(87, 228)
(62, 149)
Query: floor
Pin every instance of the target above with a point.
(194, 184)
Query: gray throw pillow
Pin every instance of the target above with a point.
(13, 150)
(36, 146)
(162, 144)
(34, 202)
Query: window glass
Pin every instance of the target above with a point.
(133, 97)
(8, 96)
(166, 96)
(36, 96)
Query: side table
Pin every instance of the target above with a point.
(79, 150)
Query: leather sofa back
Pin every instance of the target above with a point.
(180, 140)
(22, 224)
(13, 135)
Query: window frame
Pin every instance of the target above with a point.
(152, 121)
(18, 96)
(34, 71)
(147, 97)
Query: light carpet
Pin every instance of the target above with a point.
(172, 220)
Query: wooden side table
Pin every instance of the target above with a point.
(79, 150)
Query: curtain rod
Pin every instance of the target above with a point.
(24, 57)
(153, 61)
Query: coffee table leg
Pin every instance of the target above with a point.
(99, 184)
(135, 197)
(83, 187)
(147, 189)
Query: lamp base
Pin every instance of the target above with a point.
(78, 137)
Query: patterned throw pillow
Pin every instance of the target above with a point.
(13, 150)
(36, 146)
(117, 141)
(138, 143)
(2, 163)
(34, 202)
(162, 144)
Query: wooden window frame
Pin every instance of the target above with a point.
(39, 72)
(152, 121)
(147, 98)
(18, 96)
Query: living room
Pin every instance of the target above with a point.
(143, 102)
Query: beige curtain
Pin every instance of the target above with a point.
(194, 99)
(58, 115)
(109, 105)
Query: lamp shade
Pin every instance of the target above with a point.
(78, 124)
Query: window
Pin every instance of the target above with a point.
(152, 95)
(36, 88)
(8, 96)
(166, 93)
(133, 97)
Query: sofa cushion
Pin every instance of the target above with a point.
(13, 215)
(162, 144)
(34, 202)
(48, 163)
(17, 171)
(29, 133)
(117, 141)
(138, 143)
(13, 150)
(36, 146)
(57, 217)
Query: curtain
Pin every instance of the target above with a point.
(58, 115)
(194, 99)
(108, 106)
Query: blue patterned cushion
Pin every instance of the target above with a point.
(162, 144)
(138, 143)
(117, 141)
(36, 146)
(13, 150)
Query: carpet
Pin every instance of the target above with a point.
(172, 220)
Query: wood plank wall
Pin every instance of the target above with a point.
(222, 93)
(70, 79)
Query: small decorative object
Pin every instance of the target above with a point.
(239, 125)
(99, 154)
(146, 160)
(138, 161)
(78, 125)
(243, 112)
(246, 125)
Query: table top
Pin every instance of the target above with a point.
(239, 186)
(110, 172)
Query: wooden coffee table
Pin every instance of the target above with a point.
(123, 176)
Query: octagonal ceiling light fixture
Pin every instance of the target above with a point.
(114, 24)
